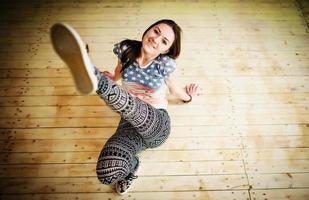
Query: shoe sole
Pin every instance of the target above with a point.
(69, 46)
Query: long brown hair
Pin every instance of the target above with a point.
(134, 46)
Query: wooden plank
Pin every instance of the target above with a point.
(104, 52)
(281, 84)
(54, 100)
(227, 85)
(268, 14)
(31, 63)
(207, 89)
(276, 141)
(147, 169)
(280, 181)
(224, 15)
(105, 57)
(284, 42)
(76, 133)
(57, 111)
(209, 120)
(145, 156)
(32, 28)
(281, 194)
(107, 61)
(133, 32)
(276, 166)
(61, 145)
(182, 70)
(176, 110)
(223, 2)
(260, 6)
(202, 13)
(35, 73)
(209, 100)
(273, 130)
(39, 91)
(153, 184)
(104, 133)
(276, 154)
(205, 195)
(176, 132)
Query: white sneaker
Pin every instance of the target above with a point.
(71, 49)
(124, 185)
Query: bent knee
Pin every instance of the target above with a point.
(111, 175)
(111, 171)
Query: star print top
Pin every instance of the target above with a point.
(147, 82)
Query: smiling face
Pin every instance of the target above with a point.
(158, 39)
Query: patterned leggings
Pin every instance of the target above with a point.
(141, 126)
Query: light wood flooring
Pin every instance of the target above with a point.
(245, 138)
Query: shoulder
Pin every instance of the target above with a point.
(166, 61)
(166, 65)
(126, 45)
(120, 47)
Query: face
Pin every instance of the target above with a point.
(158, 39)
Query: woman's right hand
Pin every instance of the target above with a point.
(108, 74)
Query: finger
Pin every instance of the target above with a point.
(191, 88)
(195, 88)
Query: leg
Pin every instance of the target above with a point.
(118, 157)
(151, 123)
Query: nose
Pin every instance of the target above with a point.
(156, 39)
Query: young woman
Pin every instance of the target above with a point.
(145, 68)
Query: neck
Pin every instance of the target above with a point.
(146, 58)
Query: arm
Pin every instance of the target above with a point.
(117, 74)
(183, 94)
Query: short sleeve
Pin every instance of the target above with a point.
(167, 66)
(119, 49)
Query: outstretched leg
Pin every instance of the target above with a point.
(151, 123)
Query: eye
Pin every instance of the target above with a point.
(164, 42)
(156, 31)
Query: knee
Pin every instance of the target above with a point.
(111, 171)
(107, 178)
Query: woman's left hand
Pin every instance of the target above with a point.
(192, 89)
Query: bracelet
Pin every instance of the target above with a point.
(188, 100)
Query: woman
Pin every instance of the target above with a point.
(145, 68)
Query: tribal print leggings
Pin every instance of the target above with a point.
(141, 126)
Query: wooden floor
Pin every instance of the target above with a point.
(246, 137)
